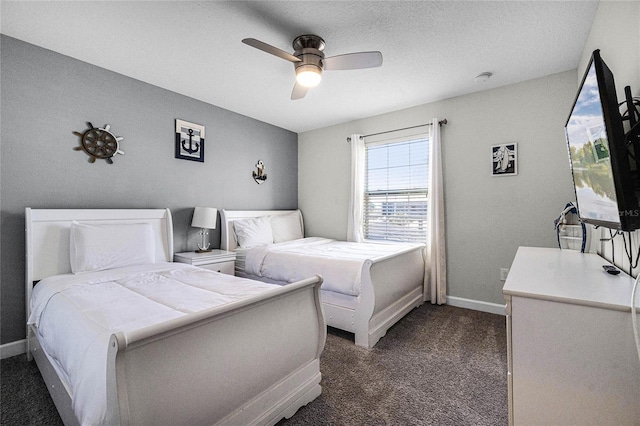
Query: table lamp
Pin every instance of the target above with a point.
(204, 218)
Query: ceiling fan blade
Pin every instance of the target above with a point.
(270, 49)
(299, 91)
(353, 61)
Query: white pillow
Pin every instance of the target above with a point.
(95, 247)
(253, 232)
(286, 227)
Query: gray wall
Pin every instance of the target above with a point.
(46, 96)
(487, 218)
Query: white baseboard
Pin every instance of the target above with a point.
(14, 348)
(476, 305)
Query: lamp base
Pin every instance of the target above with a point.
(204, 248)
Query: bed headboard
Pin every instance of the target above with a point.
(227, 235)
(47, 236)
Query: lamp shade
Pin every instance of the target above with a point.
(204, 217)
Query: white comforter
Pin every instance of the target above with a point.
(339, 262)
(76, 315)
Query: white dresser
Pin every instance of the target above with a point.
(572, 358)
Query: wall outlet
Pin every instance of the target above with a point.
(503, 274)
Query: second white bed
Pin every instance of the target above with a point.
(367, 287)
(339, 262)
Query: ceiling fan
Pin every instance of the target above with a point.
(309, 60)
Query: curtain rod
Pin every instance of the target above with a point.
(441, 122)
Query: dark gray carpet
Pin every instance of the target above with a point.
(24, 399)
(438, 366)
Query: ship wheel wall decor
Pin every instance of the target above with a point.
(99, 143)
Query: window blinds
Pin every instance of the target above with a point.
(395, 194)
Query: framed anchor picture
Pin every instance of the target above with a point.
(189, 141)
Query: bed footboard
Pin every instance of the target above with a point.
(250, 362)
(391, 287)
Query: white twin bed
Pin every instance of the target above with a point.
(122, 335)
(367, 287)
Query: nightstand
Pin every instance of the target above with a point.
(214, 260)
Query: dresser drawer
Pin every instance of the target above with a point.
(224, 267)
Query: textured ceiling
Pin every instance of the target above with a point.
(432, 49)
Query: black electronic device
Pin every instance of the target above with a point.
(602, 154)
(611, 269)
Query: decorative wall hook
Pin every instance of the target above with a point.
(260, 176)
(99, 143)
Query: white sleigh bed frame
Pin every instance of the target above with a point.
(391, 286)
(267, 346)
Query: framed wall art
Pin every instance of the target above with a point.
(189, 141)
(504, 159)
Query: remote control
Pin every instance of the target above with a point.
(611, 269)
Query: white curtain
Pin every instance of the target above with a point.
(354, 223)
(436, 274)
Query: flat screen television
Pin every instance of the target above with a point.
(602, 164)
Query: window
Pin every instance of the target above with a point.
(395, 190)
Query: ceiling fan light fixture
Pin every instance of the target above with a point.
(308, 75)
(309, 60)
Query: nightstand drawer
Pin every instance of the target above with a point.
(214, 260)
(224, 267)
